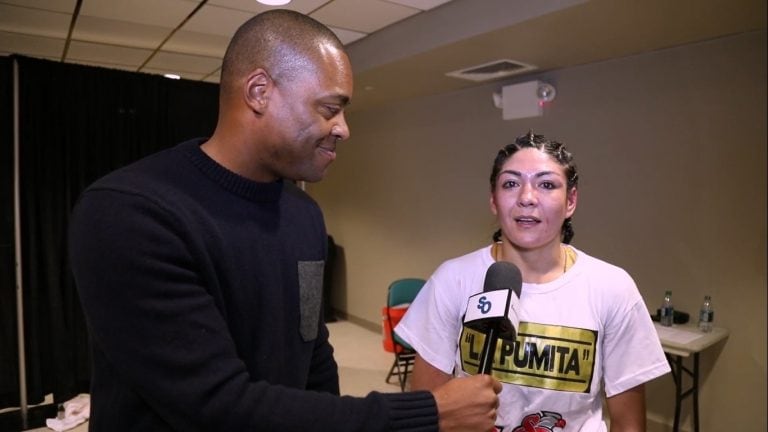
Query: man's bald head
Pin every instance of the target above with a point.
(282, 42)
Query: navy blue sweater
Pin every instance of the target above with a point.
(202, 294)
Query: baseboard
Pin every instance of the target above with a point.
(656, 423)
(374, 327)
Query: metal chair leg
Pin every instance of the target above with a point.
(391, 372)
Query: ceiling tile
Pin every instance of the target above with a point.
(183, 63)
(303, 6)
(364, 16)
(188, 42)
(251, 6)
(129, 68)
(163, 13)
(212, 79)
(420, 4)
(32, 46)
(66, 6)
(38, 22)
(217, 20)
(186, 75)
(347, 36)
(109, 54)
(92, 29)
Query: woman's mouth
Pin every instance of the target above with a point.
(527, 220)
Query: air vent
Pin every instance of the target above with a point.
(492, 70)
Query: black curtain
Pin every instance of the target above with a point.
(77, 123)
(9, 370)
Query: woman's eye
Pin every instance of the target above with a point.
(506, 184)
(548, 185)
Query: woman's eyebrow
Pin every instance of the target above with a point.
(538, 174)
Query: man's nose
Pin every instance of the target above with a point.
(340, 130)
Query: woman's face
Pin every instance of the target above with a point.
(530, 200)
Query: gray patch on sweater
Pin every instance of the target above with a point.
(310, 297)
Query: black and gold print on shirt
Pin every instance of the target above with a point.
(542, 356)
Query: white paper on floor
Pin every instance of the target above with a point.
(76, 410)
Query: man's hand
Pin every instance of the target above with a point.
(467, 404)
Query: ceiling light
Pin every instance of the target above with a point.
(172, 76)
(274, 2)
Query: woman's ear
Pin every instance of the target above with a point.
(257, 88)
(492, 203)
(571, 198)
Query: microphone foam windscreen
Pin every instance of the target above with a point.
(503, 275)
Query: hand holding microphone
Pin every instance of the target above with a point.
(496, 310)
(467, 404)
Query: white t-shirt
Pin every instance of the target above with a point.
(586, 331)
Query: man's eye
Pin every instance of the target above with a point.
(332, 109)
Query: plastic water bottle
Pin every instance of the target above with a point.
(706, 315)
(667, 311)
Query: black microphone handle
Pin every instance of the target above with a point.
(489, 348)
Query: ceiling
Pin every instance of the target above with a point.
(399, 48)
(184, 37)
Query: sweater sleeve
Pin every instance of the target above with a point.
(323, 373)
(164, 351)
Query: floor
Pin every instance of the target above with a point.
(363, 363)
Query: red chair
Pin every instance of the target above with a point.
(400, 294)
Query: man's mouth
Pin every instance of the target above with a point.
(328, 149)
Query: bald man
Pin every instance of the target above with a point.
(200, 268)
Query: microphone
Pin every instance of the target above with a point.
(495, 311)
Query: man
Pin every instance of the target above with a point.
(200, 268)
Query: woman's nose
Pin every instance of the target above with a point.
(527, 195)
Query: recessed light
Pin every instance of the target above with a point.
(274, 2)
(172, 76)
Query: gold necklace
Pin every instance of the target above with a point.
(569, 258)
(496, 251)
(565, 259)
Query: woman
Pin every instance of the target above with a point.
(584, 329)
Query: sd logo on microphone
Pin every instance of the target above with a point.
(498, 307)
(484, 305)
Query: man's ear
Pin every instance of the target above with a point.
(257, 88)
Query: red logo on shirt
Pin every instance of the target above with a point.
(542, 421)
